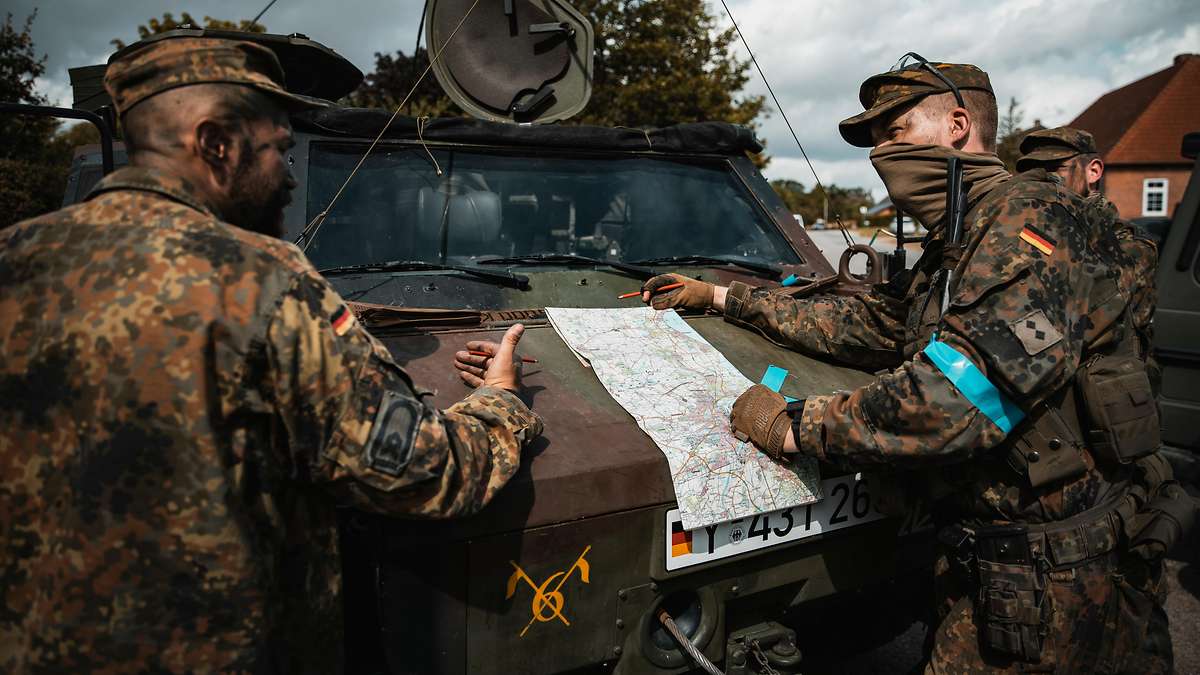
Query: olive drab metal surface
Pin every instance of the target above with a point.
(512, 60)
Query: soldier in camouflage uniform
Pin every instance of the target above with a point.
(1071, 153)
(185, 400)
(1036, 572)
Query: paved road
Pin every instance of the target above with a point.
(902, 654)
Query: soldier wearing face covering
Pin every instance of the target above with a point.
(1014, 395)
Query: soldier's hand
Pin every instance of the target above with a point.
(693, 294)
(500, 368)
(760, 416)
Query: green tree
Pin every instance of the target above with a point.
(657, 62)
(811, 203)
(33, 161)
(1009, 134)
(168, 22)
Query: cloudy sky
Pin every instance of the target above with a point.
(1054, 57)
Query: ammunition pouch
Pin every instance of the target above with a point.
(1013, 565)
(1165, 513)
(1121, 413)
(1013, 606)
(1048, 447)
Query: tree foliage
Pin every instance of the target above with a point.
(811, 203)
(658, 62)
(34, 157)
(168, 22)
(1010, 133)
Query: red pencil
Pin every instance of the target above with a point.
(660, 289)
(524, 359)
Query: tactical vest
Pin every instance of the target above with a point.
(1108, 410)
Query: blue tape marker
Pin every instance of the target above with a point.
(790, 281)
(974, 385)
(773, 380)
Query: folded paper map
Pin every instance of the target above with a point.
(680, 391)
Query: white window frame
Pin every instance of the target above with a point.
(1162, 190)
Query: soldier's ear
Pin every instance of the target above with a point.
(214, 144)
(959, 121)
(1095, 170)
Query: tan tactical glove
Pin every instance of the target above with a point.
(693, 295)
(760, 416)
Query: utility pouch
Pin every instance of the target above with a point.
(1013, 606)
(1166, 519)
(1121, 416)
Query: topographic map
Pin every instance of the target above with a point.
(680, 391)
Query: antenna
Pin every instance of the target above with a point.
(836, 216)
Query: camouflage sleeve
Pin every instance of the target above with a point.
(1017, 315)
(355, 424)
(864, 330)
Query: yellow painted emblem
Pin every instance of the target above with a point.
(547, 605)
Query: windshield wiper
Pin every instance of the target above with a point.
(568, 259)
(760, 269)
(502, 278)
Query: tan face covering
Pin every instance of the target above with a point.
(915, 176)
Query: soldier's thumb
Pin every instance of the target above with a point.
(508, 344)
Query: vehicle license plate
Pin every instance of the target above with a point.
(846, 504)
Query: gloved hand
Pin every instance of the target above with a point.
(694, 294)
(760, 416)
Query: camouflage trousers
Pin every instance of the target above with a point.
(1105, 620)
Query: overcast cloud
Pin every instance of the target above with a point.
(1054, 57)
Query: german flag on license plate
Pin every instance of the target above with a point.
(681, 540)
(1038, 239)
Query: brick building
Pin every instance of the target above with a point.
(1138, 130)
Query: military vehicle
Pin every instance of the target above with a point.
(1177, 327)
(453, 229)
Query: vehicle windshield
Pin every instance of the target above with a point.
(486, 205)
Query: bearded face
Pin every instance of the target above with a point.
(261, 184)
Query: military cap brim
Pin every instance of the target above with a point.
(857, 130)
(1046, 155)
(886, 93)
(143, 70)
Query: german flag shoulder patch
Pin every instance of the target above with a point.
(342, 320)
(1038, 239)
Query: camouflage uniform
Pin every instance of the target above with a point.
(1046, 148)
(1025, 318)
(185, 405)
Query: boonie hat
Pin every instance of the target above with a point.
(1054, 145)
(145, 69)
(885, 92)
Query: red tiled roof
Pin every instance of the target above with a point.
(1145, 121)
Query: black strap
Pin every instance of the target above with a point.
(795, 410)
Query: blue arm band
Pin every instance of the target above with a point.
(773, 380)
(967, 379)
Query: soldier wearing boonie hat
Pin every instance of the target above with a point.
(886, 92)
(980, 346)
(201, 399)
(154, 66)
(1072, 155)
(1052, 146)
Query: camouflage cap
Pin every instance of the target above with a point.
(142, 70)
(1054, 145)
(884, 92)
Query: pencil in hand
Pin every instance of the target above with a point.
(524, 359)
(660, 289)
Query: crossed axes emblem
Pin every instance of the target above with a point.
(547, 604)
